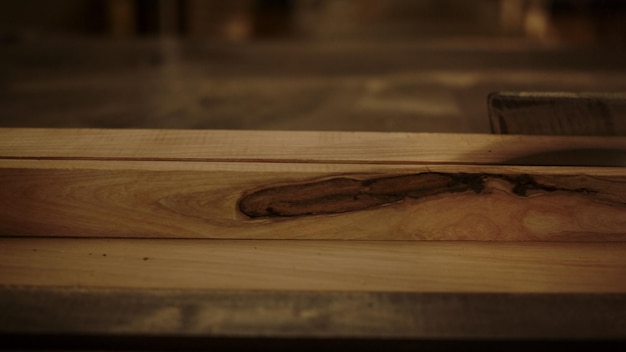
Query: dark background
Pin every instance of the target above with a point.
(389, 65)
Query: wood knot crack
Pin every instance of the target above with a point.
(343, 194)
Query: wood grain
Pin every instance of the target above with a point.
(204, 200)
(290, 146)
(312, 185)
(315, 265)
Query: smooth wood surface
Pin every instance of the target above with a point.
(204, 200)
(308, 185)
(315, 265)
(290, 146)
(168, 184)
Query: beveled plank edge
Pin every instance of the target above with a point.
(301, 314)
(284, 146)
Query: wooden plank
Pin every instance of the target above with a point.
(292, 146)
(379, 266)
(242, 200)
(98, 314)
(315, 185)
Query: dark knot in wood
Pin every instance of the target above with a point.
(341, 195)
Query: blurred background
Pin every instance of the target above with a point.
(375, 65)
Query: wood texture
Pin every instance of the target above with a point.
(388, 266)
(183, 184)
(291, 146)
(204, 200)
(312, 185)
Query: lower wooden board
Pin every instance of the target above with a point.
(296, 265)
(265, 200)
(128, 319)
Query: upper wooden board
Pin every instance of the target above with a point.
(310, 185)
(295, 146)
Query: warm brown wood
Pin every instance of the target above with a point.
(209, 184)
(208, 200)
(291, 146)
(315, 265)
(312, 185)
